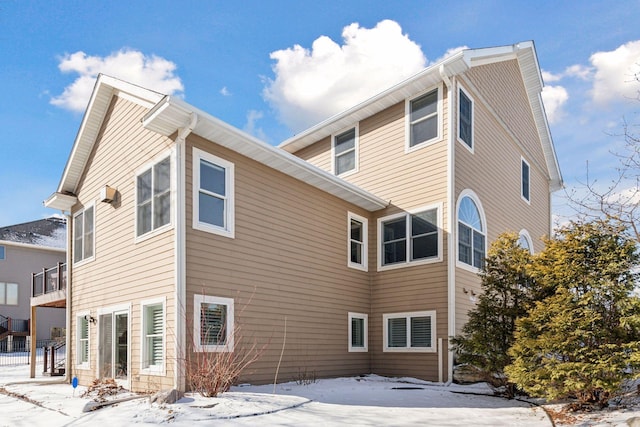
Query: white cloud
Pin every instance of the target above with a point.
(579, 71)
(251, 128)
(450, 52)
(152, 72)
(225, 92)
(549, 77)
(554, 97)
(616, 73)
(313, 84)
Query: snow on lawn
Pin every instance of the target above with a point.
(356, 401)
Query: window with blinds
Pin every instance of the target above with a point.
(83, 341)
(153, 336)
(213, 323)
(410, 331)
(358, 339)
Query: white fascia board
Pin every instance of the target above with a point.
(61, 202)
(172, 113)
(31, 246)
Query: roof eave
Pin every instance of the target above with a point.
(61, 201)
(172, 113)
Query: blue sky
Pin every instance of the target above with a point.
(262, 66)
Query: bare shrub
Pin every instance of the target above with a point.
(210, 373)
(306, 376)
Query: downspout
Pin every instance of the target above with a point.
(180, 254)
(451, 265)
(67, 339)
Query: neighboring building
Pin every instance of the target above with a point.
(25, 249)
(360, 237)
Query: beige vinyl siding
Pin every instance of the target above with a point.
(288, 260)
(123, 272)
(502, 87)
(422, 182)
(493, 172)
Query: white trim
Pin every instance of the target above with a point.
(113, 310)
(473, 137)
(153, 369)
(474, 197)
(407, 214)
(524, 233)
(408, 316)
(31, 246)
(87, 364)
(365, 241)
(364, 317)
(90, 205)
(451, 227)
(229, 210)
(356, 150)
(522, 163)
(170, 153)
(228, 302)
(407, 120)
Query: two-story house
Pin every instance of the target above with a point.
(28, 248)
(351, 248)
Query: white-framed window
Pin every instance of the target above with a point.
(153, 336)
(358, 332)
(357, 241)
(471, 231)
(8, 293)
(213, 323)
(423, 119)
(345, 151)
(83, 234)
(525, 241)
(82, 340)
(410, 237)
(407, 332)
(3, 254)
(153, 197)
(525, 181)
(213, 194)
(465, 118)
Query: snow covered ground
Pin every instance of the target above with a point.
(358, 401)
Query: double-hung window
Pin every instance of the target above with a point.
(423, 118)
(153, 197)
(414, 331)
(213, 323)
(345, 151)
(153, 326)
(8, 293)
(82, 348)
(465, 118)
(213, 194)
(83, 234)
(525, 180)
(357, 241)
(358, 332)
(409, 237)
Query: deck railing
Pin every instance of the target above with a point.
(49, 280)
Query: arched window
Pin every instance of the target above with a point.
(525, 241)
(471, 232)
